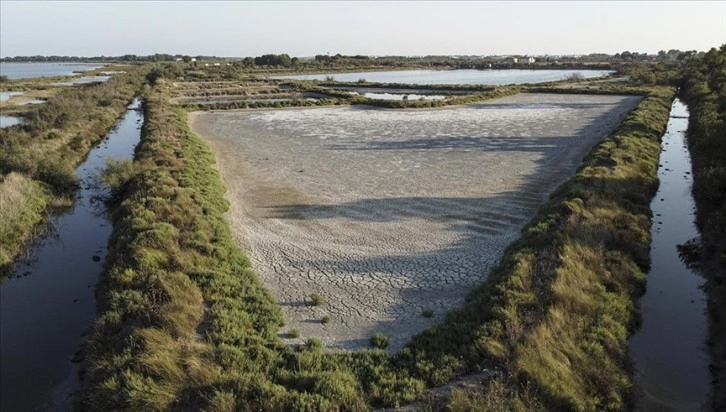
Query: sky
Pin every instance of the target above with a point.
(301, 28)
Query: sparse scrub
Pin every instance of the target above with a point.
(325, 320)
(294, 334)
(427, 313)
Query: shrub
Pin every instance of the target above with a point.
(314, 343)
(118, 174)
(317, 299)
(325, 320)
(379, 340)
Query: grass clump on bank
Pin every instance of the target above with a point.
(23, 203)
(185, 324)
(705, 93)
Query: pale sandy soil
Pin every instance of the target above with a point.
(387, 213)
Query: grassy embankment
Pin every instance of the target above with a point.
(38, 158)
(185, 323)
(705, 93)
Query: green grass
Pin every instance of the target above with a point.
(184, 323)
(23, 205)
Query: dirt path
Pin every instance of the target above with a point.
(388, 213)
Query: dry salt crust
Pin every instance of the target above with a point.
(387, 213)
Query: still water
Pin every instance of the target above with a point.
(671, 359)
(396, 96)
(32, 70)
(493, 77)
(7, 95)
(48, 303)
(7, 121)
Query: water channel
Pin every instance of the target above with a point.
(669, 350)
(48, 303)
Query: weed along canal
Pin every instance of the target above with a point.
(671, 361)
(48, 302)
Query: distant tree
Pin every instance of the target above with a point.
(187, 59)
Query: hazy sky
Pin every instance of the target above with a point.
(373, 28)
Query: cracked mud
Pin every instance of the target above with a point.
(390, 213)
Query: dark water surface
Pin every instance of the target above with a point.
(48, 303)
(671, 358)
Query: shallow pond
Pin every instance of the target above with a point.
(245, 100)
(493, 77)
(393, 96)
(7, 121)
(32, 70)
(7, 95)
(83, 80)
(48, 303)
(671, 360)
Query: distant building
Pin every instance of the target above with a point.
(515, 60)
(194, 59)
(216, 64)
(178, 59)
(530, 60)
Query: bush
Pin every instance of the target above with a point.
(379, 340)
(317, 299)
(118, 174)
(314, 343)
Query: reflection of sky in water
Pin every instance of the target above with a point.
(494, 77)
(7, 95)
(7, 121)
(34, 70)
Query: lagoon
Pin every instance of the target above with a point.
(493, 77)
(35, 70)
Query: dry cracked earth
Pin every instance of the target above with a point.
(390, 213)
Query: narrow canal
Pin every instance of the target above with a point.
(669, 350)
(48, 303)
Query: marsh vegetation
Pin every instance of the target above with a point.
(174, 331)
